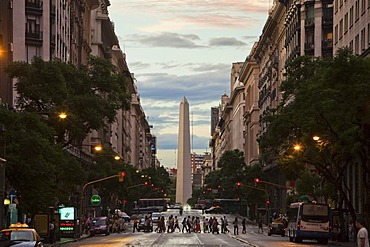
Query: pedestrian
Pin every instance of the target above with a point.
(184, 223)
(226, 224)
(188, 223)
(222, 225)
(52, 231)
(204, 224)
(260, 226)
(236, 227)
(243, 224)
(163, 225)
(215, 226)
(197, 224)
(362, 234)
(176, 224)
(136, 222)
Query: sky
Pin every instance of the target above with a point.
(185, 48)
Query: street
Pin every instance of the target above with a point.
(251, 238)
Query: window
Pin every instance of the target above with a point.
(363, 7)
(340, 28)
(357, 48)
(351, 45)
(363, 39)
(310, 14)
(357, 11)
(336, 34)
(336, 5)
(368, 34)
(345, 22)
(351, 17)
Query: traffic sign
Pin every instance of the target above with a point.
(95, 200)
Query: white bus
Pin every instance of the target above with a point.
(309, 221)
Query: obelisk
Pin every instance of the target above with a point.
(183, 184)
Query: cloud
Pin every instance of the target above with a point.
(224, 41)
(169, 141)
(166, 39)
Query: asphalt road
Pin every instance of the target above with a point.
(152, 239)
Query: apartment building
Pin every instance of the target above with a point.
(71, 31)
(352, 25)
(249, 77)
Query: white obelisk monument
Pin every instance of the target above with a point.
(183, 184)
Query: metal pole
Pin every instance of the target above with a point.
(2, 191)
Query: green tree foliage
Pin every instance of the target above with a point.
(90, 95)
(34, 138)
(328, 98)
(42, 174)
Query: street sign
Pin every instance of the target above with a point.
(95, 200)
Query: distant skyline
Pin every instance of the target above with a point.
(186, 49)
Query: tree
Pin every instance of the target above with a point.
(35, 169)
(327, 98)
(90, 95)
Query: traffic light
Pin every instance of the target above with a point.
(267, 203)
(145, 183)
(121, 176)
(256, 181)
(238, 184)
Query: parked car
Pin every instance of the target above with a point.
(276, 228)
(20, 235)
(100, 225)
(214, 210)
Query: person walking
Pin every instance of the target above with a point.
(176, 224)
(184, 223)
(362, 234)
(260, 226)
(243, 225)
(236, 226)
(135, 227)
(226, 230)
(215, 226)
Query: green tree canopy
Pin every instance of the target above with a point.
(327, 98)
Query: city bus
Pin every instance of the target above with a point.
(309, 220)
(149, 205)
(228, 205)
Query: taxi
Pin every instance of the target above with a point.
(20, 235)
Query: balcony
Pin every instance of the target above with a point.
(309, 23)
(309, 48)
(34, 38)
(34, 7)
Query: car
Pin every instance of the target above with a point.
(100, 225)
(177, 206)
(141, 225)
(276, 228)
(20, 235)
(123, 215)
(156, 216)
(214, 210)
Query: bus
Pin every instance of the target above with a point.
(149, 205)
(228, 205)
(309, 220)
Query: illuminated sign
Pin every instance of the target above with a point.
(67, 213)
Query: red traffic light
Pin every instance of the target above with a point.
(146, 183)
(121, 175)
(152, 185)
(256, 181)
(238, 184)
(267, 202)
